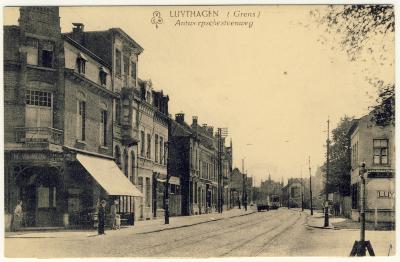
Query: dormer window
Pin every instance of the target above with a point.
(103, 76)
(81, 63)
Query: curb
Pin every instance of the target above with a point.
(145, 232)
(331, 226)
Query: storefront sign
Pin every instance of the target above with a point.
(383, 194)
(36, 156)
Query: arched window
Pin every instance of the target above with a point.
(117, 155)
(133, 166)
(126, 163)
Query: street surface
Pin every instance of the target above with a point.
(280, 232)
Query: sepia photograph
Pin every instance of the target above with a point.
(199, 131)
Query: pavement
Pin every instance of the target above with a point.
(140, 227)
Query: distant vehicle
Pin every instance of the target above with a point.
(263, 204)
(275, 202)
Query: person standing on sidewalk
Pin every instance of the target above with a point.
(17, 216)
(102, 217)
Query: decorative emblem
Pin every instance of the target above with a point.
(157, 19)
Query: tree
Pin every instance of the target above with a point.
(356, 25)
(339, 158)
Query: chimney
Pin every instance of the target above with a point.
(77, 32)
(211, 130)
(180, 118)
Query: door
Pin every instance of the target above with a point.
(28, 196)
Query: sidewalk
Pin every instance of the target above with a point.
(317, 220)
(140, 227)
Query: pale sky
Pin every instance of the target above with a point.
(273, 85)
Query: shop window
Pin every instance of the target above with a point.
(117, 63)
(380, 151)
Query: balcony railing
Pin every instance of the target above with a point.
(38, 135)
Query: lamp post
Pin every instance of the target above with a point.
(326, 209)
(166, 213)
(360, 247)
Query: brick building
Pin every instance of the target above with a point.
(375, 146)
(58, 125)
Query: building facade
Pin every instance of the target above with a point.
(62, 95)
(375, 146)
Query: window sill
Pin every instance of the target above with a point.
(41, 67)
(103, 147)
(81, 142)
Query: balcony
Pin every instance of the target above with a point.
(129, 135)
(32, 135)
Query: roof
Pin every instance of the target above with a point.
(85, 50)
(121, 32)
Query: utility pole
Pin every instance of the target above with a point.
(301, 189)
(326, 220)
(309, 168)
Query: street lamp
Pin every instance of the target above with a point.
(360, 247)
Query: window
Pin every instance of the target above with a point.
(47, 54)
(117, 155)
(81, 120)
(161, 150)
(32, 51)
(148, 192)
(117, 63)
(380, 151)
(142, 143)
(156, 149)
(140, 183)
(133, 164)
(126, 66)
(103, 128)
(126, 163)
(81, 65)
(103, 76)
(133, 70)
(118, 112)
(38, 98)
(148, 152)
(165, 152)
(46, 197)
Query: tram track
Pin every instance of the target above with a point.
(206, 235)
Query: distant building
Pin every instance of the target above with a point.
(295, 192)
(375, 146)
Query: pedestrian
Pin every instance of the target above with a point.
(102, 217)
(17, 216)
(113, 214)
